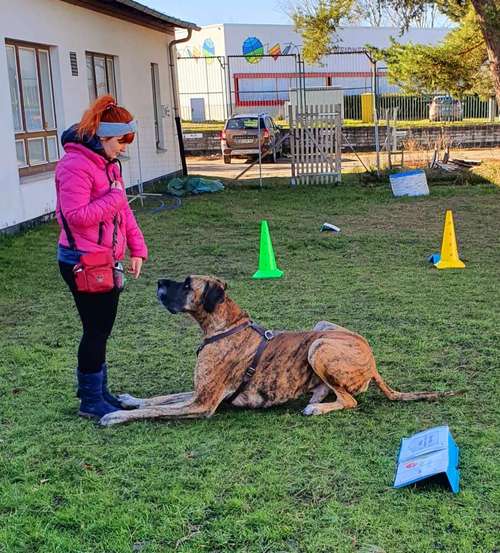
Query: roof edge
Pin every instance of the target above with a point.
(135, 12)
(159, 15)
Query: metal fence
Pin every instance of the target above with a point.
(315, 144)
(203, 88)
(212, 88)
(418, 108)
(262, 83)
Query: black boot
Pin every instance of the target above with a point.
(92, 402)
(106, 394)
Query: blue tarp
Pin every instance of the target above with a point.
(193, 185)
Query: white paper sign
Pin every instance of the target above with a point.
(410, 183)
(424, 442)
(421, 467)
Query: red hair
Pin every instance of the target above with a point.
(104, 109)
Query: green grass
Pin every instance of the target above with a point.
(270, 480)
(207, 126)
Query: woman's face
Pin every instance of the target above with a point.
(113, 147)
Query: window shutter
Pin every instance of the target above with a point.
(74, 64)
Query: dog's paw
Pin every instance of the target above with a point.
(130, 402)
(311, 409)
(117, 417)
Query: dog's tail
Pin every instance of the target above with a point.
(394, 395)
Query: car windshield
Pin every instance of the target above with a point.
(242, 123)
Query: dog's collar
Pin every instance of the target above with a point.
(250, 371)
(224, 334)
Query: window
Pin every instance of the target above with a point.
(100, 75)
(32, 103)
(155, 83)
(244, 123)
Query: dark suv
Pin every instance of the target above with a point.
(240, 137)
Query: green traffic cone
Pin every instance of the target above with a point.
(267, 263)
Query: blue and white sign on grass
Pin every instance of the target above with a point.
(409, 183)
(427, 454)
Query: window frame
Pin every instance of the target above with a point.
(109, 81)
(160, 142)
(47, 131)
(154, 84)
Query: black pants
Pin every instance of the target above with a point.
(97, 313)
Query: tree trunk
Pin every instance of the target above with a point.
(488, 14)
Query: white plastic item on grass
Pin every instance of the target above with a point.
(329, 227)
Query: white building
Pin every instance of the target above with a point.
(57, 56)
(257, 65)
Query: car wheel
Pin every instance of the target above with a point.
(227, 159)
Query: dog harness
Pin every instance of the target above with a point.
(266, 336)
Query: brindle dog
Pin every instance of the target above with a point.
(327, 359)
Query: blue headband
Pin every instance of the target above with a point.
(106, 129)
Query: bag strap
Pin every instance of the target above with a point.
(115, 218)
(69, 234)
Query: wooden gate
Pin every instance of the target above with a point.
(315, 143)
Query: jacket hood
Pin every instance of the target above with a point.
(70, 136)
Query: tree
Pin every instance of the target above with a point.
(458, 65)
(379, 14)
(316, 20)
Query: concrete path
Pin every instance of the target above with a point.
(213, 165)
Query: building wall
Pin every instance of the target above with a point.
(209, 41)
(262, 67)
(65, 27)
(352, 72)
(202, 77)
(352, 37)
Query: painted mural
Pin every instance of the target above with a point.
(253, 49)
(205, 50)
(208, 48)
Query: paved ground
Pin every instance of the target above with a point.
(213, 166)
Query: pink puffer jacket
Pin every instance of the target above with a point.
(89, 204)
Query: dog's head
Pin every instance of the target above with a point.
(194, 295)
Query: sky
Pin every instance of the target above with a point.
(208, 12)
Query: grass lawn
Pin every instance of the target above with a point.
(271, 480)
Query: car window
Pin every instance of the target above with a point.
(243, 123)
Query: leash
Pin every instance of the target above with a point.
(266, 336)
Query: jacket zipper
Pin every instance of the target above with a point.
(101, 228)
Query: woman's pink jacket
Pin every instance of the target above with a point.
(89, 204)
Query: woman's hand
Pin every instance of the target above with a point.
(135, 266)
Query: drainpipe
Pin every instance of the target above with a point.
(173, 77)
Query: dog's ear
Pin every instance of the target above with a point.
(212, 295)
(223, 283)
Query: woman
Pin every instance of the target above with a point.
(94, 216)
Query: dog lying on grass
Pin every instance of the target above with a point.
(246, 366)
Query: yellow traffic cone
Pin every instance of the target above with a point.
(449, 251)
